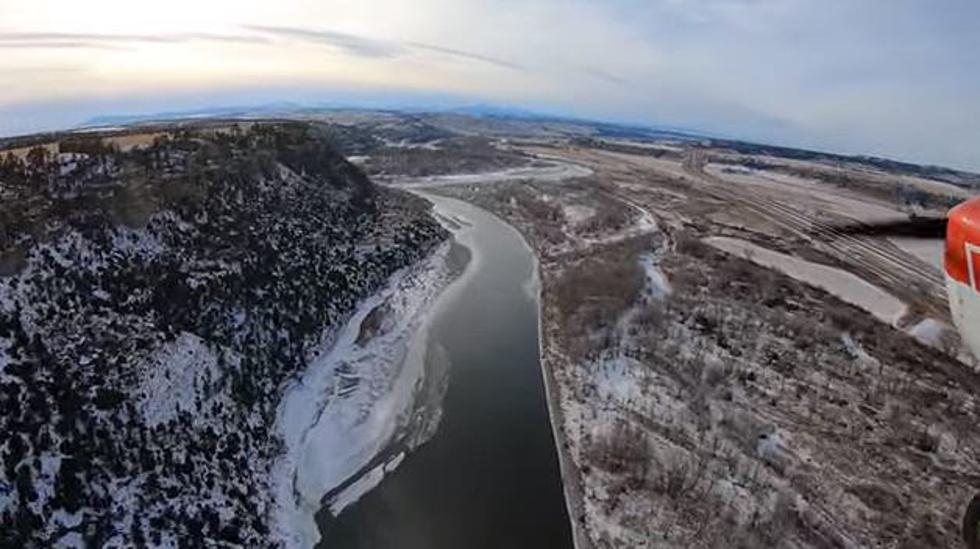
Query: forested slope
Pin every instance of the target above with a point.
(153, 302)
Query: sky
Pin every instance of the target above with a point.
(896, 78)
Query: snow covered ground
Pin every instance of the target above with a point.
(169, 380)
(576, 214)
(657, 285)
(927, 249)
(553, 172)
(844, 285)
(643, 223)
(805, 192)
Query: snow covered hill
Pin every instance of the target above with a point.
(154, 305)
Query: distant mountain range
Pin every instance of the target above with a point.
(482, 110)
(509, 113)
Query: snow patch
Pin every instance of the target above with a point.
(642, 223)
(550, 172)
(577, 214)
(615, 379)
(930, 251)
(857, 352)
(656, 282)
(6, 496)
(45, 482)
(845, 285)
(173, 377)
(770, 446)
(66, 519)
(4, 354)
(929, 332)
(71, 540)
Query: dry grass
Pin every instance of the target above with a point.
(594, 292)
(21, 152)
(128, 141)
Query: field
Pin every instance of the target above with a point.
(727, 368)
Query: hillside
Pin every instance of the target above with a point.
(154, 301)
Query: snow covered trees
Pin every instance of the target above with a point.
(161, 305)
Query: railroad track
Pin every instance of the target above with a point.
(879, 259)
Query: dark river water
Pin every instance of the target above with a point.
(489, 477)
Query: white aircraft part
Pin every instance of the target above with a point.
(964, 305)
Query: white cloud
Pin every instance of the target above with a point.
(894, 77)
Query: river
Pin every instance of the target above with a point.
(489, 477)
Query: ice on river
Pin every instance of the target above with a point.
(354, 399)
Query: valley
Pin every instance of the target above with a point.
(728, 369)
(255, 325)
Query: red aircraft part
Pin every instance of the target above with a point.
(963, 243)
(962, 261)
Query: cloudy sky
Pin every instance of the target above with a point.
(899, 78)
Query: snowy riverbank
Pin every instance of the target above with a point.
(361, 402)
